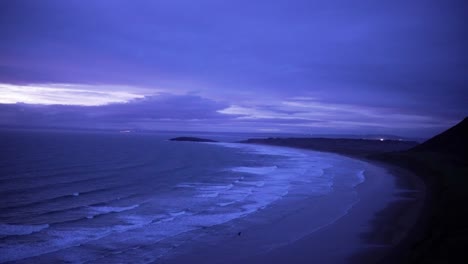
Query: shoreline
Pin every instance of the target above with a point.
(415, 246)
(397, 224)
(383, 217)
(391, 227)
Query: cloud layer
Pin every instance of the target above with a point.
(196, 113)
(386, 63)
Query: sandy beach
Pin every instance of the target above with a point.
(372, 230)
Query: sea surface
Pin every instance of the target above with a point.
(124, 197)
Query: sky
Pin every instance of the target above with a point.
(295, 66)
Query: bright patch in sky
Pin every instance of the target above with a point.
(63, 94)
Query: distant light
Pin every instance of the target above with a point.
(382, 139)
(125, 131)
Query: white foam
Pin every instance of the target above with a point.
(18, 230)
(56, 239)
(361, 177)
(186, 185)
(208, 195)
(265, 150)
(255, 170)
(256, 183)
(99, 210)
(134, 221)
(220, 187)
(205, 190)
(226, 203)
(175, 214)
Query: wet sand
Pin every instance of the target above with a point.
(390, 204)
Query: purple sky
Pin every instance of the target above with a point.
(330, 66)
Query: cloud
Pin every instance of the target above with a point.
(166, 106)
(148, 112)
(192, 112)
(64, 94)
(311, 114)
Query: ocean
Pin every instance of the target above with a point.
(103, 197)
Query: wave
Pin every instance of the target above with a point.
(226, 203)
(178, 213)
(112, 209)
(255, 170)
(208, 195)
(266, 150)
(72, 213)
(361, 177)
(19, 230)
(61, 239)
(56, 199)
(88, 212)
(45, 188)
(65, 172)
(254, 183)
(96, 211)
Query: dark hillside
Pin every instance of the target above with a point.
(453, 142)
(442, 163)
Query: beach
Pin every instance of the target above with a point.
(425, 220)
(373, 230)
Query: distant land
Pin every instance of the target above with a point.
(346, 146)
(208, 133)
(367, 136)
(194, 139)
